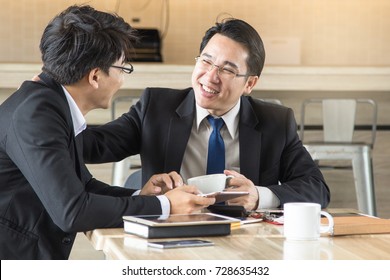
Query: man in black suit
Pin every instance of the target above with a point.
(47, 194)
(170, 130)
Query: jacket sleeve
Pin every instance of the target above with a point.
(117, 139)
(41, 143)
(299, 176)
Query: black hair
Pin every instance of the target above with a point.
(80, 39)
(243, 33)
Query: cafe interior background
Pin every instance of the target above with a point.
(298, 34)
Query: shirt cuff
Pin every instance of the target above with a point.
(136, 192)
(165, 205)
(164, 201)
(267, 199)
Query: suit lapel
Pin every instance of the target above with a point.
(179, 131)
(250, 141)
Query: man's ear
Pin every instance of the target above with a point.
(94, 77)
(250, 83)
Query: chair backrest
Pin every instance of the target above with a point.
(134, 181)
(339, 118)
(122, 104)
(271, 100)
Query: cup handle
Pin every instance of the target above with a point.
(328, 253)
(228, 177)
(329, 227)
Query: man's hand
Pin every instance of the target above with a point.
(161, 183)
(239, 183)
(185, 200)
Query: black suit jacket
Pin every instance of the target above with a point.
(159, 125)
(46, 192)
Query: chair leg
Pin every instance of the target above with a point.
(364, 181)
(119, 170)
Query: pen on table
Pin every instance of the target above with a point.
(235, 225)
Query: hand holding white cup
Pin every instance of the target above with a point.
(302, 221)
(210, 183)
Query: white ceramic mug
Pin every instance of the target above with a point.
(302, 221)
(209, 183)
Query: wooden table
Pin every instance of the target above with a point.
(252, 241)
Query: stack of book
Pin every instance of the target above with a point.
(350, 224)
(192, 225)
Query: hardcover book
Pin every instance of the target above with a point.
(192, 225)
(345, 224)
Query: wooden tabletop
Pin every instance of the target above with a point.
(252, 241)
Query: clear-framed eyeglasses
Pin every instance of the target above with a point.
(225, 71)
(128, 68)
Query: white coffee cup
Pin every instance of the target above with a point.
(302, 221)
(209, 183)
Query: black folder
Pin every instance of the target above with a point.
(193, 225)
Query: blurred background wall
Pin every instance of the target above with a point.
(295, 32)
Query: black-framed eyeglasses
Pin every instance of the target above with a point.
(128, 69)
(224, 71)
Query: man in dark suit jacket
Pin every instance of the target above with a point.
(47, 194)
(170, 130)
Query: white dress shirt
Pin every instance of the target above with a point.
(79, 124)
(195, 156)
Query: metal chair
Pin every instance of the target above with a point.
(271, 100)
(339, 118)
(120, 169)
(122, 100)
(134, 181)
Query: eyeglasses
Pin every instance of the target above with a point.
(128, 70)
(224, 71)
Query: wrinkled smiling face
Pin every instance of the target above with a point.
(214, 80)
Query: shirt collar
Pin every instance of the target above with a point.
(230, 118)
(79, 123)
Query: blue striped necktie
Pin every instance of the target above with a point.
(216, 152)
